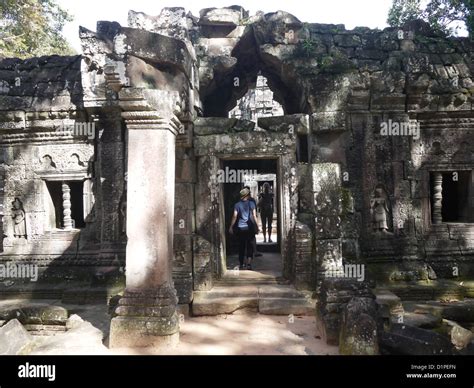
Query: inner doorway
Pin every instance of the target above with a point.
(254, 173)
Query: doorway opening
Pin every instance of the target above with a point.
(257, 102)
(256, 174)
(54, 204)
(456, 191)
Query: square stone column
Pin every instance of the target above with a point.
(146, 315)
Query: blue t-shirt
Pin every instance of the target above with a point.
(244, 208)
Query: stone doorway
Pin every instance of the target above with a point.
(252, 173)
(219, 141)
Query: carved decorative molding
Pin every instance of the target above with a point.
(112, 78)
(38, 121)
(64, 158)
(446, 123)
(41, 137)
(151, 120)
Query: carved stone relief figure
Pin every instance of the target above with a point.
(19, 219)
(331, 261)
(379, 211)
(47, 162)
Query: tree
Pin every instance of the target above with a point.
(30, 28)
(470, 17)
(446, 16)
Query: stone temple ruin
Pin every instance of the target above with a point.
(109, 161)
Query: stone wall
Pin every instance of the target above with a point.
(338, 88)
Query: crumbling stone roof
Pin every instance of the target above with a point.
(41, 83)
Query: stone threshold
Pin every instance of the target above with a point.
(268, 299)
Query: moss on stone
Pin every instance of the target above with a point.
(345, 202)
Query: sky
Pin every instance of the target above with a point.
(352, 13)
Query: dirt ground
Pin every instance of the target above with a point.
(245, 333)
(242, 333)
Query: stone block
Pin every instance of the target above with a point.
(358, 335)
(296, 123)
(286, 306)
(14, 339)
(328, 121)
(184, 196)
(217, 306)
(229, 16)
(183, 221)
(139, 332)
(403, 339)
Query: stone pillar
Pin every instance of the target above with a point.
(67, 220)
(146, 314)
(437, 198)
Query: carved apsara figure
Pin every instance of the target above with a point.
(19, 219)
(379, 211)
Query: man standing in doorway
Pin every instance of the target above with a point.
(244, 221)
(254, 240)
(265, 204)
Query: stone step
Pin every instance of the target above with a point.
(212, 305)
(45, 330)
(229, 292)
(286, 306)
(267, 299)
(256, 282)
(283, 291)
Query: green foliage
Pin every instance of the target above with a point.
(30, 28)
(306, 48)
(336, 63)
(403, 11)
(326, 61)
(442, 15)
(345, 202)
(336, 30)
(470, 17)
